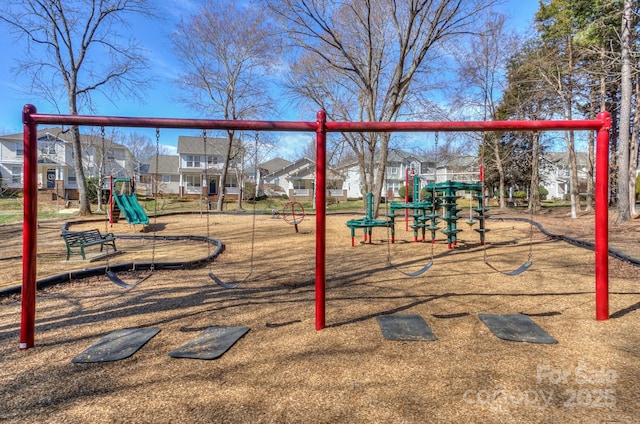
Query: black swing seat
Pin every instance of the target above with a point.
(418, 272)
(415, 273)
(525, 266)
(118, 281)
(222, 283)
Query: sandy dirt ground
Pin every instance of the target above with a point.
(283, 370)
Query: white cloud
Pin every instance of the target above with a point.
(169, 149)
(291, 145)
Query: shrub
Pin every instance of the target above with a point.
(401, 192)
(543, 193)
(520, 194)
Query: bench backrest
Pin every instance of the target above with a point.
(82, 236)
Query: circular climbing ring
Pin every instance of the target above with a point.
(293, 213)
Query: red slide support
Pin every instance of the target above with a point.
(321, 127)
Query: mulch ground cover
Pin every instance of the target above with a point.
(283, 370)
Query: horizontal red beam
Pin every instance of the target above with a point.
(449, 126)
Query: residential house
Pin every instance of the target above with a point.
(55, 171)
(401, 164)
(166, 168)
(464, 169)
(297, 180)
(554, 173)
(198, 167)
(269, 168)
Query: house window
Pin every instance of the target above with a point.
(16, 174)
(212, 160)
(393, 170)
(166, 179)
(19, 149)
(334, 184)
(299, 184)
(47, 149)
(192, 181)
(193, 161)
(117, 154)
(72, 176)
(231, 181)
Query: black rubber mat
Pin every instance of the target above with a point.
(119, 344)
(212, 343)
(405, 328)
(516, 327)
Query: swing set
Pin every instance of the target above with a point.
(31, 119)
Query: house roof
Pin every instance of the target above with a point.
(461, 163)
(393, 156)
(304, 168)
(188, 145)
(396, 155)
(167, 164)
(562, 158)
(275, 164)
(54, 131)
(65, 136)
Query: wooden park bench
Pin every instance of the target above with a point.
(77, 240)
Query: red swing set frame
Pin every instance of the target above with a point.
(31, 118)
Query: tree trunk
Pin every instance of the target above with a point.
(240, 194)
(591, 160)
(83, 193)
(362, 169)
(633, 154)
(570, 137)
(573, 173)
(625, 117)
(380, 171)
(590, 156)
(500, 169)
(534, 190)
(225, 170)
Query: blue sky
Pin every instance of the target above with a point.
(161, 99)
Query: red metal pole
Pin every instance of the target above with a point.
(29, 229)
(321, 187)
(602, 218)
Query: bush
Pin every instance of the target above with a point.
(543, 193)
(520, 194)
(401, 192)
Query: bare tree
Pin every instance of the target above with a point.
(481, 78)
(371, 55)
(142, 147)
(626, 92)
(73, 50)
(226, 51)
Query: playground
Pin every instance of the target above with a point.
(283, 370)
